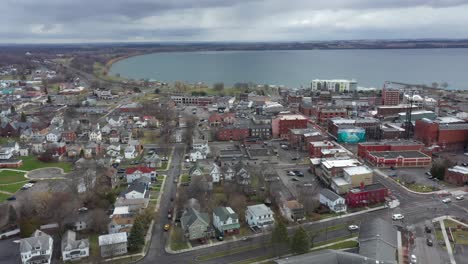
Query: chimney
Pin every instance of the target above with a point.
(362, 186)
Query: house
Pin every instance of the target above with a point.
(96, 134)
(121, 223)
(113, 150)
(201, 145)
(106, 129)
(195, 170)
(228, 173)
(456, 175)
(37, 248)
(113, 244)
(134, 173)
(215, 173)
(333, 201)
(178, 136)
(69, 136)
(115, 121)
(197, 155)
(130, 152)
(13, 145)
(5, 153)
(153, 161)
(54, 136)
(73, 249)
(242, 175)
(37, 147)
(226, 221)
(24, 151)
(259, 216)
(136, 190)
(292, 210)
(196, 225)
(114, 136)
(367, 195)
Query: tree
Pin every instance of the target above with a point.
(23, 117)
(218, 87)
(439, 166)
(279, 237)
(12, 215)
(444, 85)
(49, 99)
(136, 240)
(12, 109)
(157, 91)
(435, 85)
(300, 243)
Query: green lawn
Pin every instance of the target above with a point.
(3, 197)
(333, 240)
(7, 177)
(4, 140)
(161, 178)
(421, 188)
(94, 245)
(342, 245)
(177, 240)
(11, 188)
(163, 166)
(32, 163)
(185, 178)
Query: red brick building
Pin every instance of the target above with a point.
(315, 148)
(390, 96)
(393, 110)
(457, 175)
(11, 163)
(449, 136)
(300, 138)
(283, 123)
(217, 119)
(387, 159)
(68, 136)
(367, 195)
(193, 100)
(293, 99)
(326, 113)
(235, 133)
(401, 145)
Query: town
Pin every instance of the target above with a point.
(101, 169)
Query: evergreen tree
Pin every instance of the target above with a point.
(12, 109)
(136, 240)
(279, 237)
(49, 99)
(12, 216)
(300, 243)
(23, 117)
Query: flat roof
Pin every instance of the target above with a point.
(324, 143)
(448, 119)
(370, 187)
(292, 117)
(396, 154)
(357, 170)
(459, 169)
(340, 163)
(392, 142)
(340, 181)
(417, 112)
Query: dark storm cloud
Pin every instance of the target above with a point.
(250, 20)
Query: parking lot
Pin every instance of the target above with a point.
(296, 184)
(416, 175)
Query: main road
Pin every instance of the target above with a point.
(416, 207)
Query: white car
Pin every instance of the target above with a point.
(446, 200)
(291, 173)
(353, 227)
(397, 217)
(413, 258)
(460, 197)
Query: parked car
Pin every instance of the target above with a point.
(220, 238)
(291, 173)
(12, 198)
(465, 164)
(307, 184)
(446, 200)
(167, 227)
(429, 242)
(397, 216)
(82, 209)
(294, 158)
(460, 197)
(413, 258)
(294, 179)
(169, 213)
(353, 227)
(298, 173)
(428, 173)
(176, 180)
(32, 181)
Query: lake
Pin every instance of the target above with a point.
(296, 68)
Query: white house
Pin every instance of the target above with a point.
(201, 145)
(113, 150)
(178, 136)
(225, 220)
(130, 152)
(113, 244)
(228, 173)
(115, 121)
(96, 134)
(136, 190)
(6, 153)
(335, 202)
(259, 216)
(73, 249)
(24, 151)
(135, 173)
(197, 155)
(54, 136)
(37, 248)
(215, 173)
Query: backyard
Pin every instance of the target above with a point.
(9, 176)
(32, 163)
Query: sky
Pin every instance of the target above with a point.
(78, 21)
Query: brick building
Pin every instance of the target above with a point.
(69, 136)
(315, 148)
(394, 110)
(283, 123)
(300, 138)
(449, 134)
(366, 195)
(457, 175)
(217, 119)
(234, 132)
(386, 159)
(326, 113)
(391, 131)
(390, 96)
(192, 100)
(294, 99)
(388, 145)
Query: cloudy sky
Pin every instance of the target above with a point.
(65, 21)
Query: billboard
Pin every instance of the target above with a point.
(351, 135)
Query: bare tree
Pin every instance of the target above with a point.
(100, 220)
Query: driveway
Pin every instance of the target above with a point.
(9, 251)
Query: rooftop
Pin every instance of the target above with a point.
(340, 163)
(370, 187)
(330, 195)
(449, 119)
(459, 169)
(391, 142)
(324, 143)
(396, 154)
(110, 239)
(292, 117)
(357, 170)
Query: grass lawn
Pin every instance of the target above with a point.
(328, 215)
(163, 166)
(94, 245)
(11, 188)
(156, 188)
(7, 177)
(318, 244)
(177, 240)
(421, 188)
(3, 197)
(4, 140)
(233, 251)
(32, 163)
(256, 259)
(161, 178)
(185, 178)
(438, 234)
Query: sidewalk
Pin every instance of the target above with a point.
(170, 251)
(447, 242)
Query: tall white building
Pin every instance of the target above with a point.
(334, 85)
